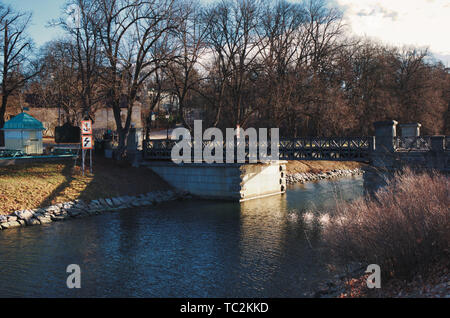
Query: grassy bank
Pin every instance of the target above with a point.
(42, 184)
(404, 227)
(311, 166)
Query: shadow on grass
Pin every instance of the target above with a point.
(39, 185)
(109, 179)
(67, 172)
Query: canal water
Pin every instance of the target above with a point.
(260, 248)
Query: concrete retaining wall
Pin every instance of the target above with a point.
(236, 181)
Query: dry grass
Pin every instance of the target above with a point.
(404, 227)
(42, 184)
(294, 166)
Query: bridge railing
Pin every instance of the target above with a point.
(314, 148)
(317, 148)
(414, 143)
(159, 149)
(421, 143)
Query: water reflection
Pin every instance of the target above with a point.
(260, 248)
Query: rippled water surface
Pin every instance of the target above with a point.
(260, 248)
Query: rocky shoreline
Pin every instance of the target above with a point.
(340, 284)
(354, 284)
(80, 208)
(302, 177)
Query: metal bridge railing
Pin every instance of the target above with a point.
(415, 143)
(316, 148)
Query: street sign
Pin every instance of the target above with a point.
(86, 127)
(86, 142)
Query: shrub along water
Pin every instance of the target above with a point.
(404, 227)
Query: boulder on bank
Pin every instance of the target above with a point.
(302, 177)
(32, 221)
(10, 225)
(78, 208)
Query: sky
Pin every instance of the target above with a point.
(43, 12)
(421, 23)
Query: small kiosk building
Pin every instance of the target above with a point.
(24, 132)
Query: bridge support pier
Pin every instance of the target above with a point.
(228, 181)
(392, 152)
(385, 133)
(437, 159)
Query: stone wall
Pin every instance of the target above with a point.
(103, 118)
(48, 117)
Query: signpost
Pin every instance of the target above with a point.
(86, 127)
(87, 143)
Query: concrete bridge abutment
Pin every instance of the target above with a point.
(227, 181)
(409, 149)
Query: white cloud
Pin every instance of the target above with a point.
(422, 23)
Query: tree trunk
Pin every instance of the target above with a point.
(121, 149)
(148, 122)
(2, 119)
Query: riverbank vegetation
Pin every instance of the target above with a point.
(404, 227)
(29, 186)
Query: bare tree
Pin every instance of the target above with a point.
(15, 60)
(233, 26)
(320, 41)
(241, 62)
(152, 95)
(130, 32)
(283, 44)
(183, 69)
(85, 52)
(57, 85)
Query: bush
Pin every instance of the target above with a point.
(404, 227)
